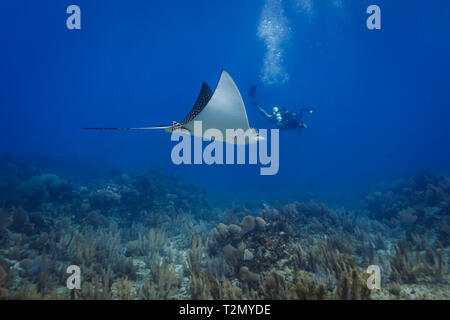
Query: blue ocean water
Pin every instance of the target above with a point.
(365, 185)
(381, 97)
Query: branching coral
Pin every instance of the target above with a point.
(206, 286)
(162, 285)
(318, 257)
(353, 287)
(149, 246)
(274, 287)
(304, 288)
(409, 266)
(125, 289)
(195, 256)
(98, 288)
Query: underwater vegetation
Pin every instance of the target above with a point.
(155, 236)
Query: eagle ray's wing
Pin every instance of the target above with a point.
(225, 109)
(202, 100)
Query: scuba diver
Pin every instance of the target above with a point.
(282, 118)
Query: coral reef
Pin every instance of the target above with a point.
(154, 236)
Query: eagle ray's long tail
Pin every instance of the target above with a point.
(141, 128)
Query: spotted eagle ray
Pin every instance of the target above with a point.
(222, 110)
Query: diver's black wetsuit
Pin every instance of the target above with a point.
(282, 118)
(286, 120)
